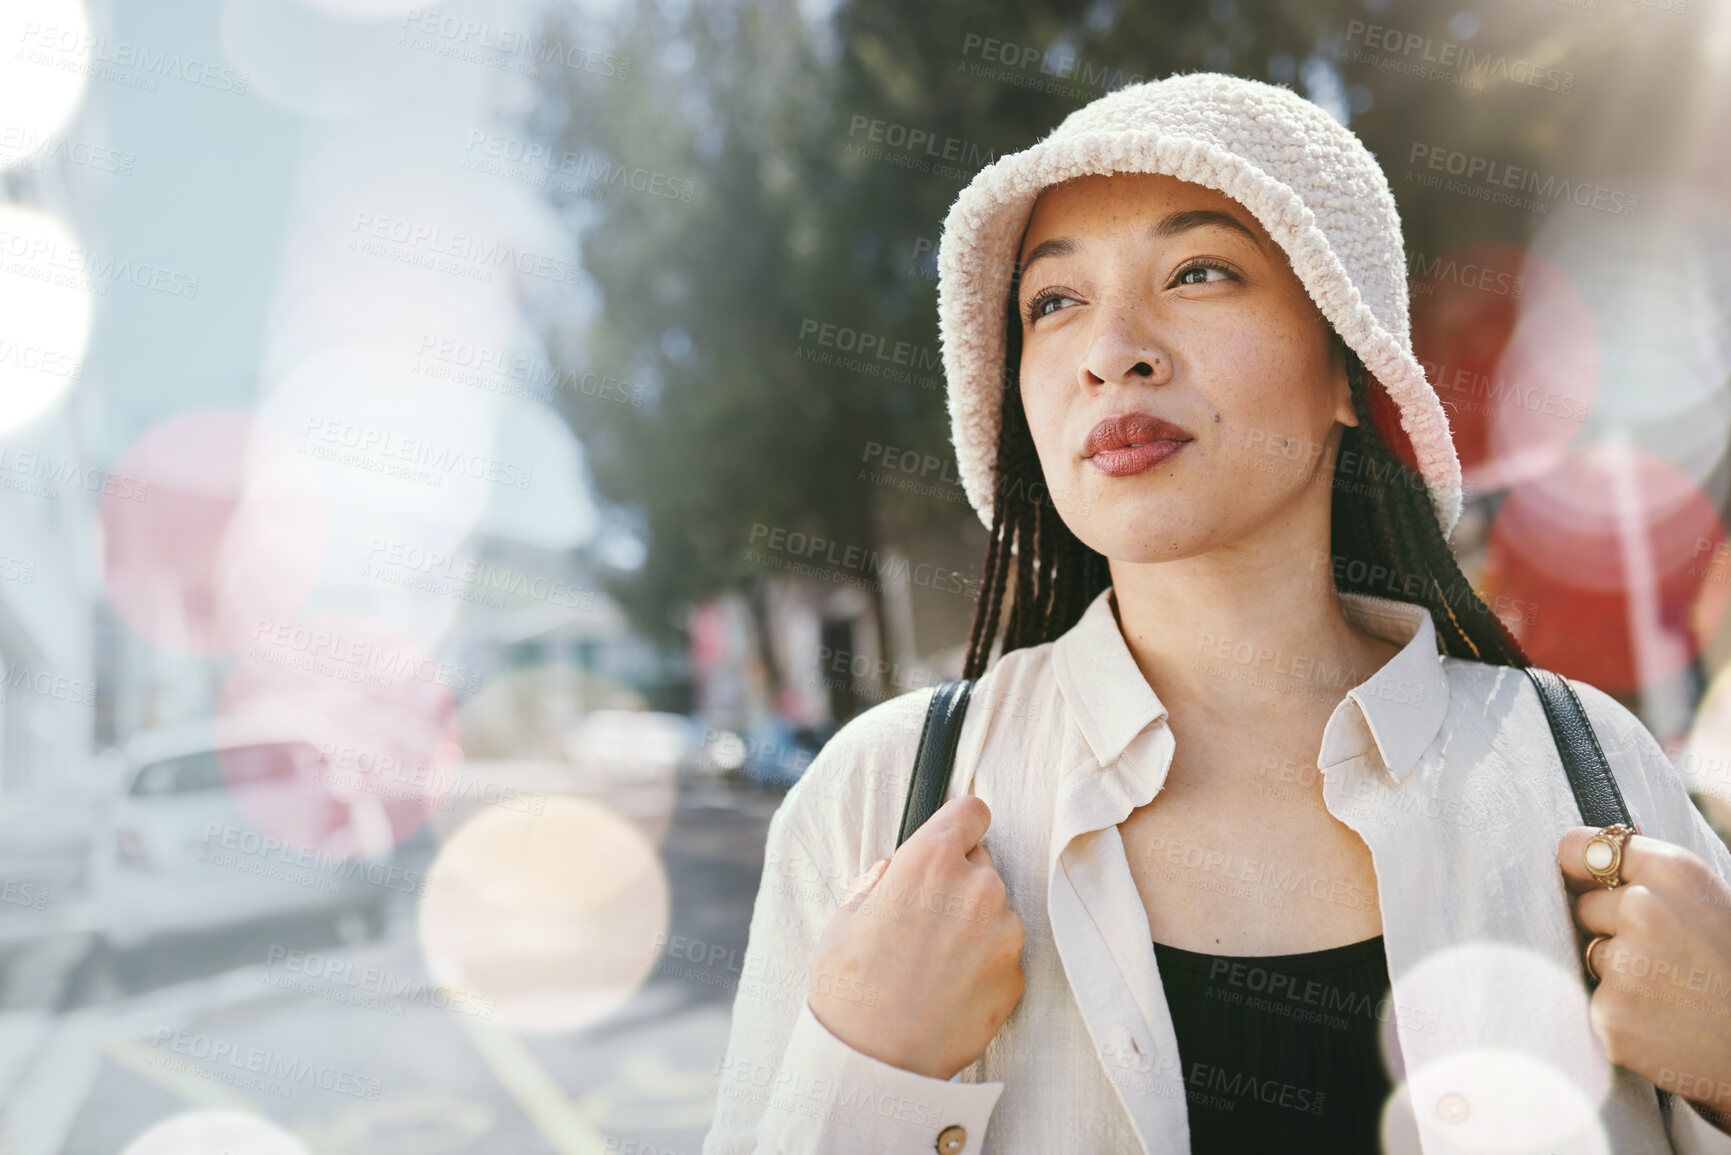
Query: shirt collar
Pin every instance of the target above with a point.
(1393, 715)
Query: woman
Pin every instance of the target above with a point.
(1234, 859)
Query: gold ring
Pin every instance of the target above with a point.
(1603, 854)
(1587, 955)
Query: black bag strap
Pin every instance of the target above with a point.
(939, 737)
(1590, 776)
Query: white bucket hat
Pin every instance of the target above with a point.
(1306, 177)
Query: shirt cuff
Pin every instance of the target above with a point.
(1693, 1135)
(829, 1097)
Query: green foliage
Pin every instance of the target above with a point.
(789, 225)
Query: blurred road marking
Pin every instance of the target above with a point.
(651, 1093)
(195, 1089)
(46, 1100)
(21, 1033)
(542, 1099)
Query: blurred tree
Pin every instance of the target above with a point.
(711, 305)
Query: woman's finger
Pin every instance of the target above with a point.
(1596, 910)
(1639, 854)
(860, 887)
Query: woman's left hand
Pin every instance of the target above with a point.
(1663, 1004)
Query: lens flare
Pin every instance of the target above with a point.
(1607, 553)
(215, 1133)
(45, 313)
(212, 522)
(554, 918)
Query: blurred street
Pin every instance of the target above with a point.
(402, 1076)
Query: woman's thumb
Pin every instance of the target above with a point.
(862, 886)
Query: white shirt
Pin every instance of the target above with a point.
(1445, 768)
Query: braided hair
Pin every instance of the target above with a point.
(1385, 539)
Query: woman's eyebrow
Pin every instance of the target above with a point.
(1170, 225)
(1182, 222)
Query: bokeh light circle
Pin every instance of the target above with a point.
(45, 314)
(381, 713)
(47, 44)
(1494, 1081)
(216, 1133)
(1512, 349)
(1604, 559)
(555, 919)
(210, 522)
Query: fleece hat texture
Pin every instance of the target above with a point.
(1306, 177)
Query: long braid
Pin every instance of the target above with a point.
(1056, 575)
(1389, 527)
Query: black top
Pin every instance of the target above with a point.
(1282, 1052)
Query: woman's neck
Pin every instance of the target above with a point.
(1234, 635)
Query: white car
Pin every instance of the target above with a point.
(223, 824)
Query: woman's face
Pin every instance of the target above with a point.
(1147, 295)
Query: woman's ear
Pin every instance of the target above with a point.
(1340, 383)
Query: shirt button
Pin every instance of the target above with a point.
(1452, 1108)
(952, 1139)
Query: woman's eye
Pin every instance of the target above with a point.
(1037, 307)
(1189, 277)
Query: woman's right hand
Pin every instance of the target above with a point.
(922, 963)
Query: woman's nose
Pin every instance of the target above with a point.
(1123, 350)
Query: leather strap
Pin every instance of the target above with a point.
(939, 737)
(1589, 773)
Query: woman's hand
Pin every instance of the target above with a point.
(931, 943)
(1663, 1004)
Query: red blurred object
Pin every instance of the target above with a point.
(1512, 350)
(209, 520)
(1605, 556)
(380, 716)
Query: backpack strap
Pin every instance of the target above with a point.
(939, 738)
(1590, 776)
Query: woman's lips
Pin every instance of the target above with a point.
(1134, 459)
(1132, 442)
